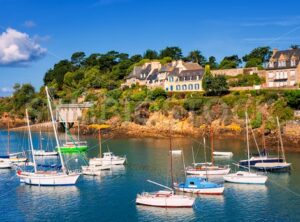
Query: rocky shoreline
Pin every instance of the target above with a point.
(133, 130)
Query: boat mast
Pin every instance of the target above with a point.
(212, 144)
(30, 139)
(78, 131)
(100, 143)
(41, 143)
(205, 161)
(280, 139)
(171, 156)
(55, 133)
(247, 136)
(193, 155)
(8, 138)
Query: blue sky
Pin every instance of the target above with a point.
(34, 34)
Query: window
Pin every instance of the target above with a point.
(178, 87)
(197, 86)
(292, 73)
(271, 64)
(281, 63)
(285, 75)
(171, 88)
(184, 87)
(190, 86)
(167, 89)
(292, 83)
(192, 183)
(197, 77)
(270, 75)
(271, 84)
(293, 62)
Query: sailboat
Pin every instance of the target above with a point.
(275, 166)
(165, 198)
(95, 167)
(47, 178)
(73, 146)
(13, 158)
(261, 156)
(42, 152)
(108, 158)
(246, 177)
(207, 168)
(198, 185)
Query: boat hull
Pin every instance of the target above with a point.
(44, 153)
(5, 164)
(245, 178)
(50, 179)
(77, 149)
(171, 201)
(260, 160)
(207, 172)
(223, 154)
(106, 162)
(272, 166)
(208, 191)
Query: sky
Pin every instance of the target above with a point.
(34, 34)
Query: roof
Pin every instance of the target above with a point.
(191, 66)
(138, 70)
(288, 54)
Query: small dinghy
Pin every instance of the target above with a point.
(222, 154)
(94, 170)
(5, 164)
(198, 185)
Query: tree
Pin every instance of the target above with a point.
(150, 54)
(230, 62)
(58, 72)
(294, 46)
(214, 85)
(77, 58)
(22, 95)
(257, 57)
(197, 57)
(174, 52)
(136, 58)
(212, 62)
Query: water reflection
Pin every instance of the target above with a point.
(165, 214)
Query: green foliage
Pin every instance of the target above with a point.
(173, 52)
(257, 121)
(281, 110)
(150, 54)
(212, 62)
(293, 98)
(22, 95)
(157, 93)
(196, 57)
(194, 104)
(245, 80)
(214, 85)
(230, 62)
(257, 56)
(138, 96)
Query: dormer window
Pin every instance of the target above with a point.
(293, 62)
(271, 64)
(282, 63)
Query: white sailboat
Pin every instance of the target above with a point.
(47, 178)
(42, 152)
(275, 166)
(243, 176)
(206, 169)
(96, 164)
(5, 164)
(222, 154)
(108, 158)
(165, 198)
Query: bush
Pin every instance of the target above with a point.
(281, 110)
(179, 112)
(193, 104)
(293, 98)
(157, 93)
(256, 123)
(115, 94)
(138, 96)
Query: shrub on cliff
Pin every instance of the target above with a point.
(293, 98)
(157, 93)
(179, 112)
(193, 104)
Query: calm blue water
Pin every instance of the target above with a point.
(111, 197)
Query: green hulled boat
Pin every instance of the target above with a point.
(73, 147)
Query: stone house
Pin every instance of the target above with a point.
(283, 69)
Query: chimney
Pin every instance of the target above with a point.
(274, 51)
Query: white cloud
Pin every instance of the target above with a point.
(6, 90)
(17, 48)
(29, 24)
